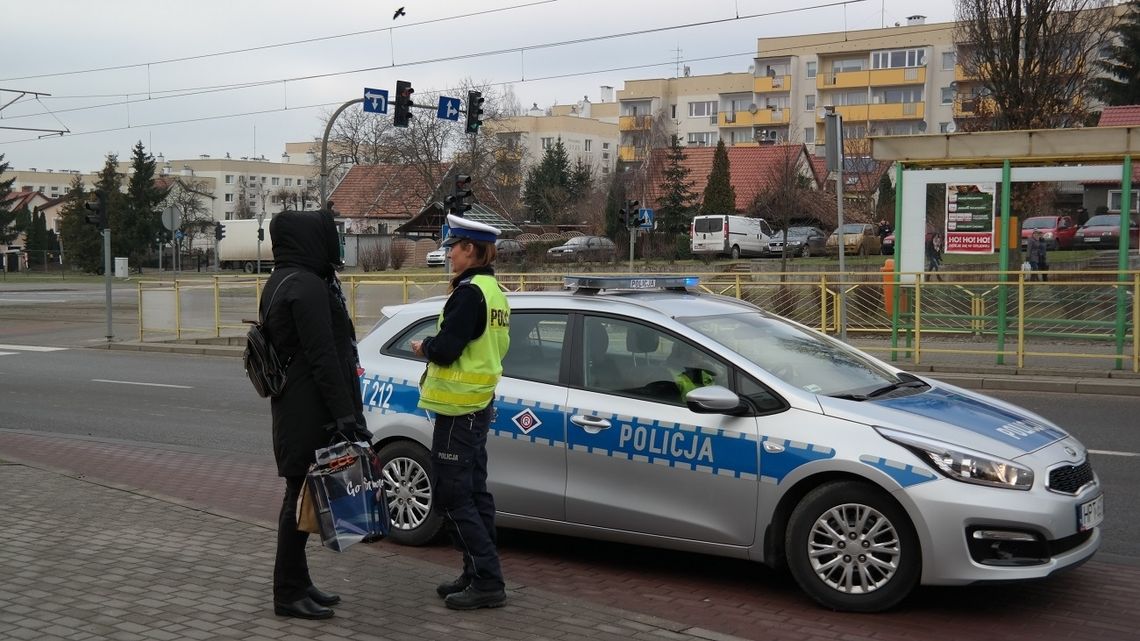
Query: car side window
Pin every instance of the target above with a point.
(402, 344)
(635, 360)
(762, 399)
(536, 346)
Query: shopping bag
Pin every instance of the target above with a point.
(1026, 266)
(307, 511)
(348, 495)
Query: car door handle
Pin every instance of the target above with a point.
(590, 424)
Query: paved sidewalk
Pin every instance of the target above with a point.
(86, 560)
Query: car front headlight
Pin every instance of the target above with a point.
(962, 464)
(1048, 235)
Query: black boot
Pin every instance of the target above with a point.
(473, 598)
(453, 587)
(304, 608)
(321, 597)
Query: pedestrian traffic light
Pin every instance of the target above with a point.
(219, 231)
(457, 202)
(98, 209)
(404, 103)
(474, 111)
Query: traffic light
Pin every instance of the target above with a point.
(219, 231)
(633, 218)
(403, 111)
(474, 111)
(457, 202)
(261, 233)
(98, 209)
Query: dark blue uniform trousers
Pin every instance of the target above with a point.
(459, 482)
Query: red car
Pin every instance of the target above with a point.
(1059, 232)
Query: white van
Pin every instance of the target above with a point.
(733, 235)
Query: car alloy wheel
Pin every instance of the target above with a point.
(404, 471)
(806, 251)
(851, 547)
(735, 252)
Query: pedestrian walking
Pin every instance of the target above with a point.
(307, 322)
(465, 361)
(934, 255)
(1038, 249)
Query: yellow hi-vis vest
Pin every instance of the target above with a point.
(468, 384)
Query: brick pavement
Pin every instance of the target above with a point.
(563, 579)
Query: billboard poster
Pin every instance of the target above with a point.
(970, 218)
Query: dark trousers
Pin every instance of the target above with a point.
(459, 481)
(290, 569)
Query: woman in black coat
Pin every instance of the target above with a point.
(307, 322)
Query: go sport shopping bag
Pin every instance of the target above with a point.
(349, 495)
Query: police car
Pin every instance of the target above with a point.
(640, 410)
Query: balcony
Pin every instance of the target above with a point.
(850, 112)
(629, 153)
(843, 80)
(961, 75)
(871, 78)
(763, 116)
(768, 84)
(635, 123)
(972, 106)
(898, 111)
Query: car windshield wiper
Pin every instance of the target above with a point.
(851, 397)
(896, 386)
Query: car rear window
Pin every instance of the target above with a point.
(708, 225)
(1040, 223)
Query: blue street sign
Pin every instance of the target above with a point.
(645, 218)
(375, 101)
(178, 235)
(448, 108)
(444, 232)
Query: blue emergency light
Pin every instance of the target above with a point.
(594, 284)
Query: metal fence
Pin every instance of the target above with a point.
(1075, 318)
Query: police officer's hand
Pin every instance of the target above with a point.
(418, 348)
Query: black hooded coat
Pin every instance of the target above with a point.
(310, 328)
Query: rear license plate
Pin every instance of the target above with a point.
(1090, 513)
(1092, 240)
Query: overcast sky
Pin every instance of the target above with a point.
(112, 73)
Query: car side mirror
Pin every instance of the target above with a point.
(714, 399)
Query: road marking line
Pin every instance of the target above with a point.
(7, 353)
(32, 300)
(33, 348)
(103, 380)
(1114, 453)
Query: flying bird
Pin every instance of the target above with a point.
(399, 12)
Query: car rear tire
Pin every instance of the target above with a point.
(249, 267)
(862, 249)
(406, 481)
(851, 547)
(805, 252)
(736, 252)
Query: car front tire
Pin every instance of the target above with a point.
(736, 252)
(805, 252)
(851, 547)
(407, 484)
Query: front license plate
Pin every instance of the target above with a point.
(1090, 513)
(1092, 240)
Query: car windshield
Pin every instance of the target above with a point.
(797, 232)
(1046, 222)
(577, 240)
(851, 229)
(814, 363)
(1103, 220)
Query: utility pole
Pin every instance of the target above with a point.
(833, 134)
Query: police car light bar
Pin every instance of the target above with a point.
(593, 284)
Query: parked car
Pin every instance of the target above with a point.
(437, 258)
(802, 241)
(584, 248)
(1059, 232)
(509, 250)
(735, 236)
(1103, 230)
(859, 238)
(888, 248)
(803, 452)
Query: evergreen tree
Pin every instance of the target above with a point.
(720, 197)
(675, 207)
(886, 205)
(547, 186)
(37, 235)
(82, 243)
(615, 196)
(7, 233)
(581, 180)
(1121, 83)
(135, 224)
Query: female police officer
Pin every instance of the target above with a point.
(465, 360)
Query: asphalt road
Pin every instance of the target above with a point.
(206, 402)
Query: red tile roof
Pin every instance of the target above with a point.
(383, 191)
(751, 169)
(1122, 116)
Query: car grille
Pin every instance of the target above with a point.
(1069, 479)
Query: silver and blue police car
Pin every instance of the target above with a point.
(640, 410)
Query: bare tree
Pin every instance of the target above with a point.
(358, 138)
(790, 194)
(1033, 58)
(191, 196)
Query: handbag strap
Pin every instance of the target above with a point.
(260, 318)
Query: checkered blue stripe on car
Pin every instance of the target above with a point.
(777, 465)
(905, 475)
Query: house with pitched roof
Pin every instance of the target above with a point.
(1104, 196)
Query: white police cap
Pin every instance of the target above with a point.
(466, 229)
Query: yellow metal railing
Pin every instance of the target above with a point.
(1076, 316)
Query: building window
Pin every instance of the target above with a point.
(229, 179)
(229, 198)
(845, 98)
(288, 182)
(943, 127)
(702, 109)
(898, 58)
(673, 111)
(809, 102)
(588, 145)
(809, 135)
(702, 138)
(949, 59)
(1114, 201)
(605, 145)
(848, 64)
(897, 95)
(812, 69)
(275, 181)
(547, 143)
(947, 95)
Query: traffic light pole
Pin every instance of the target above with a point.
(325, 150)
(107, 280)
